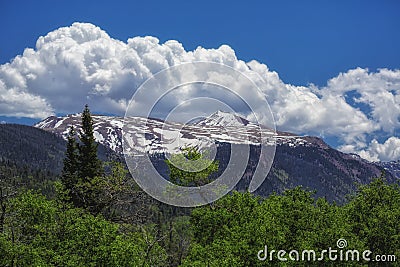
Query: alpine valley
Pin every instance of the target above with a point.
(299, 160)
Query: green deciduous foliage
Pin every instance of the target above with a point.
(236, 227)
(40, 233)
(191, 167)
(375, 216)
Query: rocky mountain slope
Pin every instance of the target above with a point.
(392, 166)
(299, 160)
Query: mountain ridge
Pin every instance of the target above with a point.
(299, 160)
(219, 126)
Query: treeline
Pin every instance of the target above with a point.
(24, 176)
(232, 231)
(36, 231)
(99, 217)
(29, 146)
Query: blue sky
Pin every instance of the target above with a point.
(324, 58)
(304, 41)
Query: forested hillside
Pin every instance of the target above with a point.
(29, 146)
(96, 215)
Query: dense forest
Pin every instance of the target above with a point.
(94, 214)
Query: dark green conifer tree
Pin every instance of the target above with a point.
(69, 177)
(82, 172)
(89, 164)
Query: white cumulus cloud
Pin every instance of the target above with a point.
(80, 64)
(375, 151)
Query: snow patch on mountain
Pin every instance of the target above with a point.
(157, 136)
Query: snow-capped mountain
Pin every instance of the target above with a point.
(299, 160)
(107, 129)
(169, 137)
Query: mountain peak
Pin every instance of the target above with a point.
(223, 118)
(221, 113)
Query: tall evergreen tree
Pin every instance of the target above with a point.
(69, 177)
(89, 164)
(90, 169)
(82, 172)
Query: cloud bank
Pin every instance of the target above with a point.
(82, 64)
